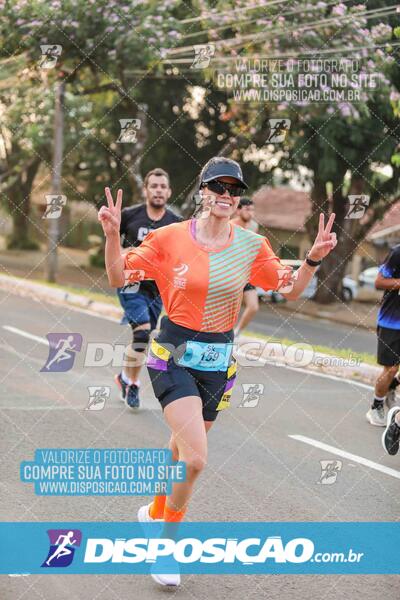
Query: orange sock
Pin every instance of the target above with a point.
(173, 516)
(157, 507)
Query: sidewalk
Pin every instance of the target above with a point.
(74, 270)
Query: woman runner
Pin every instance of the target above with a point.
(200, 267)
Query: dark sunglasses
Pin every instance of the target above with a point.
(219, 187)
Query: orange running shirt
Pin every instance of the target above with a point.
(200, 288)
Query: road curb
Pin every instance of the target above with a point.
(249, 349)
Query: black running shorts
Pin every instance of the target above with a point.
(171, 381)
(388, 346)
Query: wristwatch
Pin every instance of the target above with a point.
(310, 262)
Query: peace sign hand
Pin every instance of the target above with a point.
(110, 217)
(325, 240)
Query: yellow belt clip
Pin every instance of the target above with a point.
(232, 369)
(159, 350)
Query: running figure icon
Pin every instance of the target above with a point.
(62, 549)
(63, 346)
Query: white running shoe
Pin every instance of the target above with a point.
(376, 416)
(172, 579)
(144, 515)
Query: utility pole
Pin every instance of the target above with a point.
(54, 225)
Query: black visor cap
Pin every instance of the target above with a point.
(224, 169)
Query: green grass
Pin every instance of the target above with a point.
(340, 352)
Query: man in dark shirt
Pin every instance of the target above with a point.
(388, 330)
(141, 301)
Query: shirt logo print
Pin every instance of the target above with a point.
(180, 270)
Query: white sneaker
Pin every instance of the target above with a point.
(144, 515)
(172, 579)
(376, 416)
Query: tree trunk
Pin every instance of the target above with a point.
(332, 271)
(319, 203)
(348, 231)
(20, 209)
(20, 212)
(131, 154)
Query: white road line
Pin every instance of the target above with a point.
(91, 313)
(327, 376)
(36, 338)
(354, 457)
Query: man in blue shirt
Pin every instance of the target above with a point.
(388, 331)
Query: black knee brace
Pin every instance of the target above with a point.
(140, 340)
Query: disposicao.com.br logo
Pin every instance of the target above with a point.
(248, 551)
(201, 547)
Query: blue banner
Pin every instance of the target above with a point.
(207, 548)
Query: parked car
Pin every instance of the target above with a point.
(349, 287)
(367, 277)
(367, 290)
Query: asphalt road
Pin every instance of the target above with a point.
(270, 320)
(256, 471)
